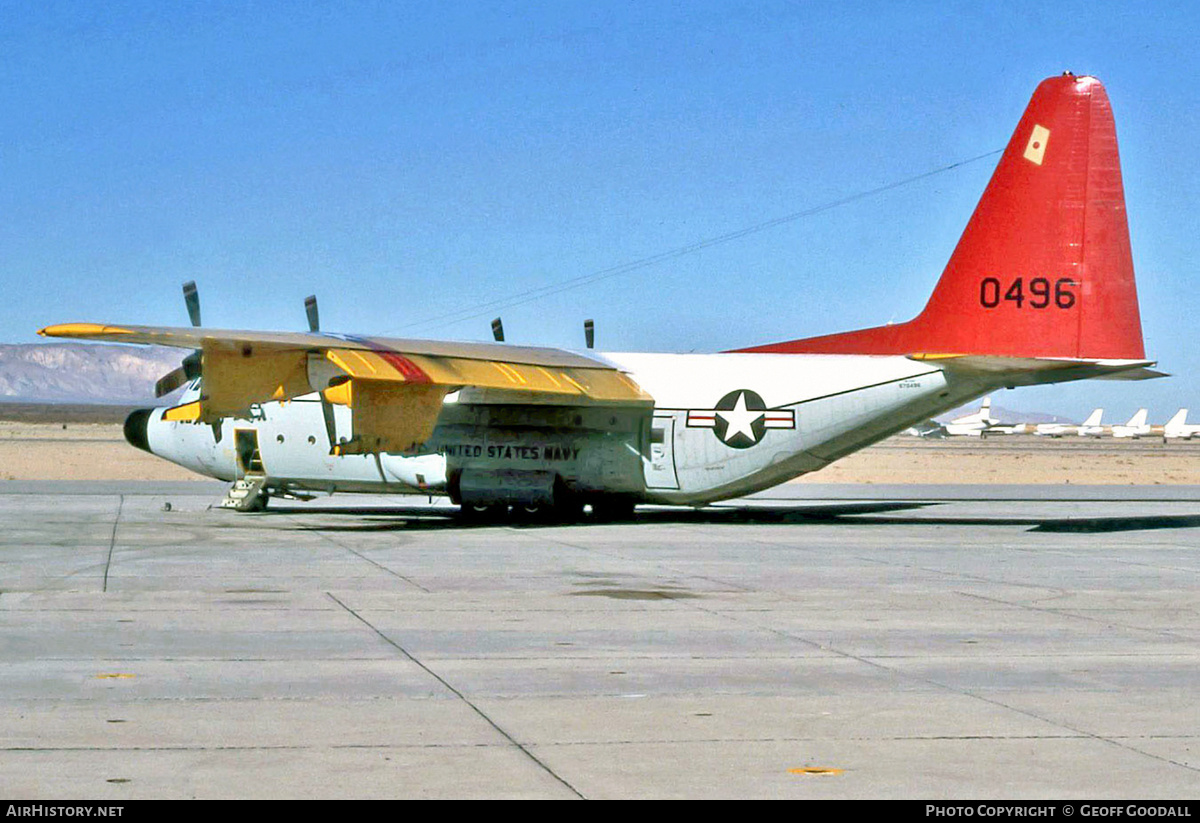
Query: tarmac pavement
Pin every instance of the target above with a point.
(811, 642)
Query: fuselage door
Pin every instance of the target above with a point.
(660, 468)
(249, 458)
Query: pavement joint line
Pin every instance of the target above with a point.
(547, 658)
(1158, 567)
(972, 578)
(583, 743)
(1057, 593)
(112, 540)
(264, 748)
(897, 673)
(1076, 615)
(874, 663)
(940, 572)
(968, 693)
(487, 719)
(320, 533)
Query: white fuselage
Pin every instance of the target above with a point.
(974, 429)
(722, 426)
(836, 403)
(1091, 427)
(972, 425)
(1064, 429)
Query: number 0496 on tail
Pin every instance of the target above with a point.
(1039, 292)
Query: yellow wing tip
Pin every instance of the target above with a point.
(82, 330)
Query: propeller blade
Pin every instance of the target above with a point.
(170, 381)
(191, 297)
(314, 325)
(330, 422)
(498, 330)
(314, 318)
(188, 371)
(191, 364)
(589, 333)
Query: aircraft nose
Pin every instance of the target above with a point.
(136, 425)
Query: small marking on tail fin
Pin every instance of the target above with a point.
(1036, 149)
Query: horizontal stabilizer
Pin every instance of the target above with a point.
(1134, 374)
(1028, 371)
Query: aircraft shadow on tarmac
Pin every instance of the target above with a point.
(402, 518)
(410, 518)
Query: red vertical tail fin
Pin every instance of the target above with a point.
(1043, 268)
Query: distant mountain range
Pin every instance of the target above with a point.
(83, 373)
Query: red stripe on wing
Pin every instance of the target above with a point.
(411, 371)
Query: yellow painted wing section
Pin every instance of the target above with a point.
(394, 387)
(595, 384)
(233, 379)
(391, 417)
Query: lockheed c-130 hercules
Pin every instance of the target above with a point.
(1040, 289)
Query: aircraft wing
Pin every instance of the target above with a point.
(395, 387)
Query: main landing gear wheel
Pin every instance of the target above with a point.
(564, 506)
(565, 509)
(482, 513)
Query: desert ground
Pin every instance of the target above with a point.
(66, 449)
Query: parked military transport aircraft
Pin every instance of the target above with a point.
(1135, 428)
(1040, 289)
(1091, 427)
(1177, 428)
(974, 424)
(978, 423)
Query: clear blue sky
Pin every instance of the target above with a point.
(406, 161)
